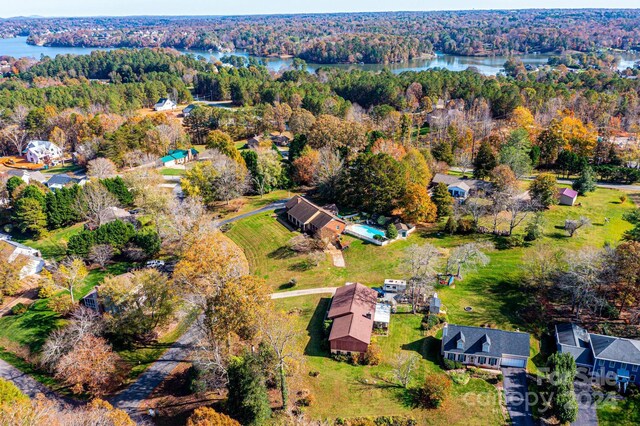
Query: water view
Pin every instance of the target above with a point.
(18, 47)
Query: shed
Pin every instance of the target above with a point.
(567, 197)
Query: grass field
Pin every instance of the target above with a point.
(254, 202)
(620, 413)
(169, 171)
(54, 245)
(344, 390)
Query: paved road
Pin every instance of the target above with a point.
(515, 390)
(131, 398)
(296, 293)
(273, 206)
(27, 384)
(587, 415)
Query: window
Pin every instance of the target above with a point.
(612, 364)
(623, 366)
(461, 357)
(633, 378)
(635, 368)
(493, 361)
(482, 360)
(451, 356)
(600, 362)
(338, 227)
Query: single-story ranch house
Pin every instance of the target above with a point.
(312, 219)
(485, 347)
(603, 356)
(353, 311)
(179, 156)
(459, 188)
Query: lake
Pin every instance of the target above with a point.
(18, 48)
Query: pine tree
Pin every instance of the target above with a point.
(484, 162)
(443, 200)
(585, 182)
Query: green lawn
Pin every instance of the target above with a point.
(256, 202)
(620, 413)
(344, 390)
(54, 245)
(67, 168)
(168, 171)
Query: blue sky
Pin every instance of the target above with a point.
(243, 7)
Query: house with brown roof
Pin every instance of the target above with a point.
(311, 218)
(352, 310)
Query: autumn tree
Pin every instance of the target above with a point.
(503, 179)
(417, 168)
(301, 121)
(417, 206)
(70, 274)
(543, 189)
(205, 416)
(304, 167)
(30, 217)
(328, 173)
(91, 366)
(434, 391)
(10, 275)
(93, 201)
(627, 258)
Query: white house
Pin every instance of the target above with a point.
(164, 104)
(27, 175)
(43, 152)
(33, 262)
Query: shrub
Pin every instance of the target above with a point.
(373, 356)
(47, 290)
(149, 241)
(340, 357)
(515, 241)
(451, 226)
(461, 378)
(326, 328)
(500, 377)
(434, 391)
(354, 359)
(449, 364)
(465, 226)
(392, 232)
(623, 199)
(429, 321)
(305, 399)
(19, 309)
(314, 373)
(62, 305)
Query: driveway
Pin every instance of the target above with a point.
(515, 391)
(28, 385)
(296, 293)
(131, 398)
(280, 204)
(587, 415)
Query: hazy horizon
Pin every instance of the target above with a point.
(81, 8)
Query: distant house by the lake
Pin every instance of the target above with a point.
(164, 104)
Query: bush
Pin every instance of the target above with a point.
(62, 305)
(461, 378)
(314, 373)
(305, 399)
(373, 356)
(392, 232)
(434, 391)
(449, 364)
(623, 199)
(354, 359)
(46, 291)
(429, 321)
(465, 227)
(515, 241)
(500, 377)
(326, 328)
(19, 309)
(149, 241)
(340, 357)
(451, 226)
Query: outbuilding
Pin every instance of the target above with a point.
(567, 197)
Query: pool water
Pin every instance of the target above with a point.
(367, 231)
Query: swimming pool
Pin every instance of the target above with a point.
(367, 231)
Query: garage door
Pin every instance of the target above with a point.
(513, 362)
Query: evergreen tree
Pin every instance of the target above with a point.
(30, 217)
(443, 152)
(247, 399)
(443, 200)
(61, 207)
(586, 181)
(119, 189)
(484, 162)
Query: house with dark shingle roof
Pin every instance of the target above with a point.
(485, 347)
(603, 356)
(352, 310)
(62, 180)
(311, 218)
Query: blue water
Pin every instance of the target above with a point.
(368, 231)
(490, 65)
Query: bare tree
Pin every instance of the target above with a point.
(467, 257)
(477, 207)
(231, 180)
(464, 160)
(404, 365)
(519, 210)
(101, 254)
(279, 332)
(420, 262)
(582, 280)
(101, 168)
(15, 136)
(328, 172)
(572, 226)
(211, 361)
(93, 200)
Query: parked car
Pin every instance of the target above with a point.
(155, 264)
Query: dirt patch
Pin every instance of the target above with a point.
(173, 402)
